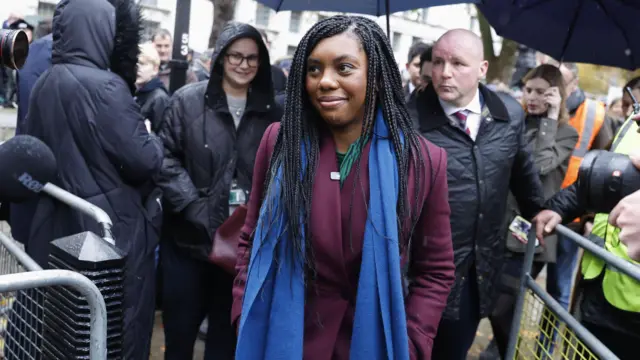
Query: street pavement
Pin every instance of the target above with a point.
(483, 336)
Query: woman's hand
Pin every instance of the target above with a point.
(553, 100)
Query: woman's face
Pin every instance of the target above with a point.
(241, 62)
(534, 96)
(336, 80)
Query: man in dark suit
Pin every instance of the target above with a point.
(487, 157)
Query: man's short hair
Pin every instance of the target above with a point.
(571, 67)
(416, 50)
(162, 33)
(426, 56)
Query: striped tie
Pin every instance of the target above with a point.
(462, 120)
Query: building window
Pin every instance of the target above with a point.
(395, 43)
(263, 15)
(295, 21)
(291, 50)
(415, 39)
(46, 10)
(148, 29)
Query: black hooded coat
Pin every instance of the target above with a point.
(83, 109)
(204, 151)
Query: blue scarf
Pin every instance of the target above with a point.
(272, 320)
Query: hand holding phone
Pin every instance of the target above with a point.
(520, 229)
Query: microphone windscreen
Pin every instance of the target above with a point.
(26, 165)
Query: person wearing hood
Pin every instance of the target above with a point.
(151, 94)
(83, 109)
(211, 133)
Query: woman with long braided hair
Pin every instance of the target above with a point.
(346, 250)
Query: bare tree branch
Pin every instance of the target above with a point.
(501, 66)
(223, 12)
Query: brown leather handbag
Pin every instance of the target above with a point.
(224, 249)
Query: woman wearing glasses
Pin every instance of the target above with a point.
(211, 133)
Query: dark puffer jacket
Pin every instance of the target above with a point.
(153, 98)
(204, 150)
(83, 109)
(481, 173)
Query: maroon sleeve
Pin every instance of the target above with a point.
(431, 267)
(260, 168)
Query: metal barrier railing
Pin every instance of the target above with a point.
(541, 324)
(24, 323)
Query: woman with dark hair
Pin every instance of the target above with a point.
(346, 249)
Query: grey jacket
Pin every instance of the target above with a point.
(552, 145)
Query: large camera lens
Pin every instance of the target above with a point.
(14, 48)
(604, 178)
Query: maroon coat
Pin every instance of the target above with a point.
(330, 308)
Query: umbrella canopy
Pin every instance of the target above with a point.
(369, 7)
(601, 32)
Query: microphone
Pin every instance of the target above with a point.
(26, 165)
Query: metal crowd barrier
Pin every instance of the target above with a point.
(23, 288)
(42, 315)
(542, 328)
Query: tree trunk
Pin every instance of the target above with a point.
(500, 67)
(223, 12)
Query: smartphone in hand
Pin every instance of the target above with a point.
(520, 229)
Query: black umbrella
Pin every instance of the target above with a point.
(601, 32)
(368, 7)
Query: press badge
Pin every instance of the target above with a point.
(237, 196)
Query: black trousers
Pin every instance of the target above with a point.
(455, 337)
(191, 290)
(502, 315)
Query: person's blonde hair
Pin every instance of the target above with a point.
(553, 76)
(149, 54)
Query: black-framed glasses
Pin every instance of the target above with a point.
(236, 59)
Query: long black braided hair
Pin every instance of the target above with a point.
(301, 124)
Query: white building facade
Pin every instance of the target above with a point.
(285, 29)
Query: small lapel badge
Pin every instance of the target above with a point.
(335, 175)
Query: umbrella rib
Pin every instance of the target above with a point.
(624, 34)
(572, 27)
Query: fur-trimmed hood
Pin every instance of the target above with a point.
(104, 34)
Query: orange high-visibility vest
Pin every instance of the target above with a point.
(588, 121)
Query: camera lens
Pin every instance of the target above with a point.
(604, 178)
(14, 48)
